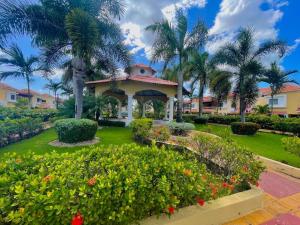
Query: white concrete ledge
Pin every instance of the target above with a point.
(215, 212)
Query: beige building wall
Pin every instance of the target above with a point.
(5, 99)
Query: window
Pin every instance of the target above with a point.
(142, 71)
(193, 105)
(273, 101)
(12, 97)
(39, 100)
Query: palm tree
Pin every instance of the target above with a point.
(220, 85)
(199, 69)
(262, 109)
(21, 66)
(277, 78)
(83, 31)
(173, 43)
(245, 60)
(67, 90)
(55, 87)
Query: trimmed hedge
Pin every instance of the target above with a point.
(110, 123)
(201, 120)
(117, 185)
(246, 128)
(75, 130)
(13, 130)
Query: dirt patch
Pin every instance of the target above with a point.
(59, 144)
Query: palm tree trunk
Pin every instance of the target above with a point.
(201, 93)
(56, 100)
(28, 92)
(179, 97)
(242, 110)
(272, 103)
(79, 68)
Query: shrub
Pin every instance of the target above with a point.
(223, 119)
(264, 121)
(201, 120)
(117, 185)
(75, 130)
(18, 113)
(291, 144)
(246, 128)
(233, 160)
(141, 128)
(111, 123)
(292, 127)
(189, 118)
(160, 133)
(180, 128)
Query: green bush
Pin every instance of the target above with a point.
(235, 161)
(75, 130)
(111, 123)
(223, 119)
(292, 127)
(117, 185)
(264, 121)
(18, 113)
(291, 144)
(247, 128)
(141, 128)
(180, 128)
(201, 120)
(160, 133)
(189, 118)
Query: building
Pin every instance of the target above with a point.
(8, 95)
(209, 105)
(140, 84)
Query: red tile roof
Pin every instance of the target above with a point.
(7, 87)
(145, 79)
(140, 65)
(25, 92)
(205, 99)
(285, 89)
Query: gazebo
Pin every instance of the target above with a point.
(139, 84)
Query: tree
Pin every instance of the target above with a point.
(199, 69)
(21, 66)
(220, 85)
(83, 31)
(245, 60)
(277, 78)
(262, 109)
(55, 87)
(173, 43)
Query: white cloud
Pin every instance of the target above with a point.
(235, 14)
(139, 14)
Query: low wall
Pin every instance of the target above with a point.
(215, 212)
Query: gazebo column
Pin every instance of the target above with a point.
(166, 110)
(119, 109)
(171, 113)
(129, 108)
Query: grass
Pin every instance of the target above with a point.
(265, 144)
(39, 143)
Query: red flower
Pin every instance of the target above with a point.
(91, 182)
(171, 210)
(200, 201)
(77, 219)
(225, 185)
(257, 184)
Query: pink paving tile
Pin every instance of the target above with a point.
(284, 219)
(278, 186)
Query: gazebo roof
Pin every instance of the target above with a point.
(145, 79)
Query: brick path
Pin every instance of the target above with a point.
(281, 202)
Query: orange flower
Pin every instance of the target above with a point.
(187, 172)
(18, 161)
(92, 181)
(47, 178)
(233, 179)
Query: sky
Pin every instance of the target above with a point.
(271, 19)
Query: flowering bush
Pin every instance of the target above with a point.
(291, 144)
(160, 133)
(141, 128)
(114, 185)
(75, 130)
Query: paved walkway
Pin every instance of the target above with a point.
(281, 202)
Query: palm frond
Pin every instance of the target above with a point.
(271, 46)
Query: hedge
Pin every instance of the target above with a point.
(246, 128)
(111, 123)
(116, 185)
(201, 120)
(13, 130)
(75, 130)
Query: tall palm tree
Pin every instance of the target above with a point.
(83, 31)
(173, 43)
(245, 60)
(55, 87)
(20, 66)
(199, 69)
(220, 85)
(277, 78)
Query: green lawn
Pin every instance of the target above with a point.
(264, 144)
(39, 143)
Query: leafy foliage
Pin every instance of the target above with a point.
(160, 133)
(111, 123)
(292, 144)
(141, 128)
(112, 185)
(73, 130)
(201, 120)
(246, 128)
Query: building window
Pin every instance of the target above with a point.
(273, 101)
(12, 97)
(39, 100)
(193, 105)
(142, 71)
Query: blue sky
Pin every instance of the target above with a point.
(270, 19)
